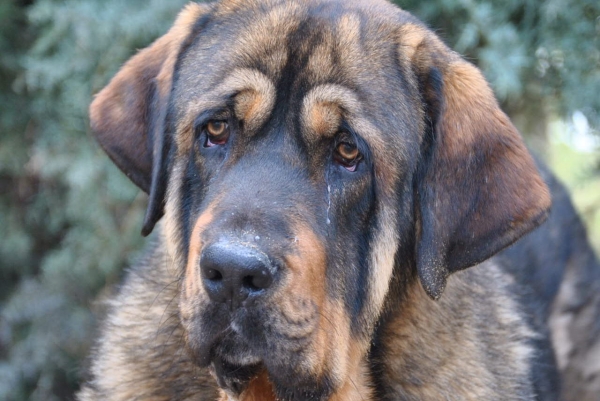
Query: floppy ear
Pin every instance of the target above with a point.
(128, 116)
(478, 189)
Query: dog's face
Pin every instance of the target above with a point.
(306, 155)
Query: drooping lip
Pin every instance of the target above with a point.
(201, 341)
(234, 363)
(232, 376)
(246, 336)
(224, 344)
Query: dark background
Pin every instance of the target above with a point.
(70, 221)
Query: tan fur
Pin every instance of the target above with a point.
(264, 37)
(193, 286)
(322, 110)
(357, 384)
(259, 389)
(458, 366)
(307, 281)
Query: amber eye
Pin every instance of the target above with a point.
(217, 133)
(347, 155)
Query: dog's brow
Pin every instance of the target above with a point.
(253, 94)
(323, 108)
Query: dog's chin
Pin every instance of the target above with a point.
(229, 359)
(234, 376)
(234, 364)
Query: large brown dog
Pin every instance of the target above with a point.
(323, 168)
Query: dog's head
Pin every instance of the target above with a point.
(306, 155)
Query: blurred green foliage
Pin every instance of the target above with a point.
(69, 220)
(541, 57)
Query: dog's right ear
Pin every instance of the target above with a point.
(478, 189)
(127, 117)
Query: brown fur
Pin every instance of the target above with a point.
(451, 184)
(458, 366)
(112, 119)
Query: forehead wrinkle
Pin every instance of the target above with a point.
(255, 96)
(262, 38)
(349, 32)
(323, 108)
(340, 45)
(320, 62)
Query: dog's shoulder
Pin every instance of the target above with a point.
(482, 328)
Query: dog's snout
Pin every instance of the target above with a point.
(231, 272)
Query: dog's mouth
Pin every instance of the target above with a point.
(228, 357)
(239, 346)
(234, 376)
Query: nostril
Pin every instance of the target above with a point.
(262, 279)
(258, 280)
(248, 283)
(213, 274)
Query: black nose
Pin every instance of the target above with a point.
(231, 272)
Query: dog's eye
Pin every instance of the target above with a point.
(217, 133)
(347, 155)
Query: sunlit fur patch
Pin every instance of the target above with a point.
(343, 38)
(357, 384)
(253, 94)
(192, 288)
(341, 355)
(410, 37)
(181, 30)
(173, 231)
(348, 34)
(320, 64)
(383, 255)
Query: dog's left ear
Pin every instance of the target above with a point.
(478, 189)
(128, 116)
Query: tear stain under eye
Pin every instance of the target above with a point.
(328, 202)
(328, 221)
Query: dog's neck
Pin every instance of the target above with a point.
(259, 389)
(357, 387)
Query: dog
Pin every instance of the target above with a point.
(328, 182)
(562, 273)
